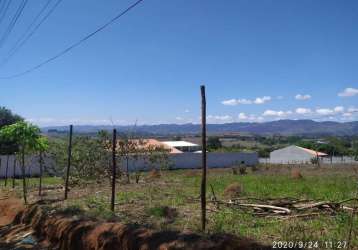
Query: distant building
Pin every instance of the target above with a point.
(153, 143)
(295, 154)
(183, 146)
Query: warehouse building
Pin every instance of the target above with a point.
(295, 155)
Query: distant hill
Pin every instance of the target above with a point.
(283, 127)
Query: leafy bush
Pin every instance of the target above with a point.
(242, 170)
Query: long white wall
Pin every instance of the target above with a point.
(176, 161)
(325, 160)
(31, 166)
(193, 160)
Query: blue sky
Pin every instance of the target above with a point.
(254, 57)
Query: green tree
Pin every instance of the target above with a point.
(27, 137)
(214, 143)
(7, 117)
(88, 159)
(7, 147)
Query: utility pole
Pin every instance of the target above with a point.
(68, 161)
(203, 152)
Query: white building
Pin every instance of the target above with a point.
(294, 154)
(183, 146)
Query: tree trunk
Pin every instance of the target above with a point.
(41, 172)
(7, 169)
(203, 151)
(114, 168)
(24, 188)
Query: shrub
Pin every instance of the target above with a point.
(163, 212)
(296, 174)
(314, 160)
(254, 168)
(242, 170)
(233, 190)
(234, 171)
(154, 174)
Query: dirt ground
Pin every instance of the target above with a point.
(34, 227)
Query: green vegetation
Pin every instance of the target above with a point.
(263, 145)
(148, 202)
(28, 140)
(33, 182)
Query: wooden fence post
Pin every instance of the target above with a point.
(41, 172)
(114, 168)
(203, 151)
(14, 172)
(68, 161)
(7, 168)
(24, 187)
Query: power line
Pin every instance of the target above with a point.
(29, 33)
(74, 45)
(13, 22)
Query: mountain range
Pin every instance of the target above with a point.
(283, 127)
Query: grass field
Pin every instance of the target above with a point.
(171, 201)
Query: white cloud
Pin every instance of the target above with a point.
(186, 111)
(235, 102)
(353, 110)
(280, 97)
(262, 100)
(348, 92)
(179, 118)
(339, 109)
(350, 114)
(230, 102)
(325, 111)
(219, 118)
(303, 111)
(280, 113)
(46, 121)
(242, 116)
(251, 117)
(302, 97)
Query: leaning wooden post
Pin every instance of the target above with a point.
(68, 162)
(114, 166)
(203, 151)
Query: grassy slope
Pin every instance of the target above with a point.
(142, 203)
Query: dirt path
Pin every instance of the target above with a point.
(9, 207)
(15, 237)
